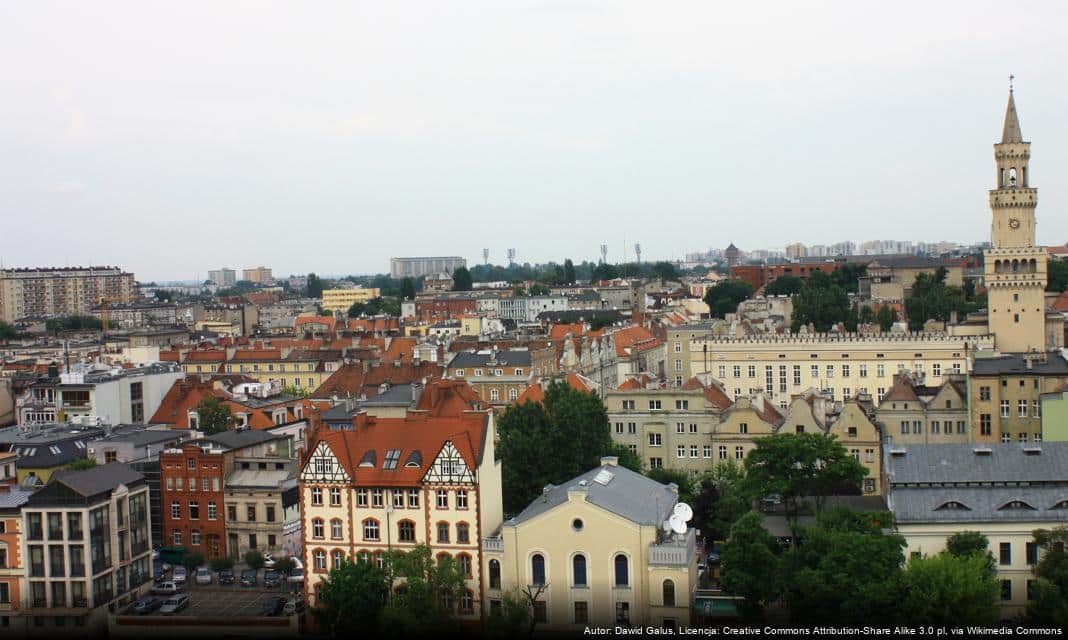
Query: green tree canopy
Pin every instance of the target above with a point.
(351, 599)
(932, 299)
(314, 288)
(886, 317)
(539, 289)
(7, 332)
(848, 276)
(793, 465)
(407, 289)
(721, 500)
(192, 560)
(823, 303)
(665, 271)
(1049, 606)
(1057, 275)
(605, 271)
(723, 297)
(784, 286)
(213, 416)
(569, 272)
(81, 464)
(550, 442)
(254, 559)
(947, 589)
(426, 604)
(75, 323)
(966, 543)
(749, 564)
(461, 279)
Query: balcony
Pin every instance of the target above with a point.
(674, 552)
(493, 544)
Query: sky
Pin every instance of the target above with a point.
(174, 138)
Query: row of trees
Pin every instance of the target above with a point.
(932, 299)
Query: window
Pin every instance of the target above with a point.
(739, 453)
(335, 497)
(830, 371)
(176, 510)
(335, 529)
(176, 537)
(985, 422)
(707, 451)
(1004, 408)
(320, 560)
(1005, 553)
(722, 372)
(680, 451)
(194, 537)
(1036, 410)
(619, 428)
(880, 371)
(376, 498)
(406, 531)
(917, 426)
(578, 571)
(443, 532)
(845, 370)
(361, 497)
(317, 496)
(398, 498)
(1006, 589)
(461, 498)
(678, 364)
(682, 404)
(722, 452)
(513, 394)
(814, 371)
(537, 569)
(628, 404)
(1032, 553)
(656, 463)
(654, 405)
(582, 613)
(632, 428)
(541, 612)
(231, 512)
(317, 528)
(463, 535)
(194, 510)
(1021, 409)
(495, 394)
(443, 499)
(464, 562)
(935, 427)
(250, 511)
(413, 498)
(669, 593)
(680, 427)
(655, 440)
(338, 558)
(693, 427)
(495, 574)
(622, 575)
(370, 529)
(693, 451)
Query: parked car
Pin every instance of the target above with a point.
(174, 604)
(226, 576)
(166, 588)
(159, 574)
(296, 576)
(180, 575)
(248, 578)
(293, 605)
(203, 576)
(273, 606)
(148, 604)
(268, 561)
(272, 579)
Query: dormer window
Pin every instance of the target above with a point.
(952, 505)
(478, 372)
(1063, 504)
(459, 373)
(1016, 505)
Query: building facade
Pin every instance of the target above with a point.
(259, 275)
(497, 376)
(222, 277)
(339, 300)
(1006, 395)
(47, 292)
(913, 413)
(192, 499)
(416, 267)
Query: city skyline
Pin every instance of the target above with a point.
(629, 126)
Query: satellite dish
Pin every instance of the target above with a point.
(678, 525)
(684, 511)
(666, 526)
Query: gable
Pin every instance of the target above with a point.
(449, 467)
(324, 467)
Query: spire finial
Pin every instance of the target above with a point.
(1011, 78)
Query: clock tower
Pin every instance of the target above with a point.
(1014, 271)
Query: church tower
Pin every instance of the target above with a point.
(1015, 269)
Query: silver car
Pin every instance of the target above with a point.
(174, 604)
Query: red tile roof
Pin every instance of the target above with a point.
(713, 393)
(536, 393)
(351, 379)
(1061, 303)
(635, 338)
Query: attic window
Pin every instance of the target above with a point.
(54, 449)
(392, 457)
(1016, 505)
(79, 444)
(952, 505)
(982, 451)
(1063, 504)
(368, 459)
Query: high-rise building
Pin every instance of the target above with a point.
(415, 267)
(259, 275)
(47, 292)
(1015, 269)
(223, 277)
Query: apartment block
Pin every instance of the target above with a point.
(48, 292)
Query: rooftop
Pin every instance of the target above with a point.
(977, 463)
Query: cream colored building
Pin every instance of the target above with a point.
(339, 300)
(1004, 491)
(392, 483)
(61, 291)
(914, 413)
(259, 275)
(595, 551)
(781, 366)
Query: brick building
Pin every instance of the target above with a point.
(191, 487)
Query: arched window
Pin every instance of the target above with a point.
(464, 561)
(578, 570)
(442, 557)
(669, 593)
(997, 266)
(495, 574)
(380, 560)
(406, 531)
(1015, 266)
(537, 569)
(463, 535)
(467, 602)
(1034, 266)
(317, 528)
(335, 529)
(370, 529)
(339, 557)
(1012, 177)
(443, 532)
(320, 560)
(622, 571)
(1001, 179)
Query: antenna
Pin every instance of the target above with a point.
(638, 252)
(485, 256)
(511, 257)
(683, 511)
(604, 253)
(677, 524)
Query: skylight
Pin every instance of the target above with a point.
(392, 457)
(604, 476)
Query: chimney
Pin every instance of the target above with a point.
(1029, 363)
(610, 461)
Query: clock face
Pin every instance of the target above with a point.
(1014, 223)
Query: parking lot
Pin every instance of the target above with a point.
(230, 601)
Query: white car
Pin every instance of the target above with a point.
(174, 604)
(296, 576)
(203, 576)
(181, 574)
(268, 561)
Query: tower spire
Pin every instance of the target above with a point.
(1011, 131)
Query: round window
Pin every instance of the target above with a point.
(576, 524)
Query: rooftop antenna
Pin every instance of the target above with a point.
(511, 257)
(485, 256)
(1011, 78)
(638, 252)
(604, 253)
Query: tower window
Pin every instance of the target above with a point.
(1012, 177)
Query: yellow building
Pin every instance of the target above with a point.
(259, 275)
(339, 300)
(596, 553)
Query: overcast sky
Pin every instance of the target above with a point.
(173, 138)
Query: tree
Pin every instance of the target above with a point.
(539, 289)
(7, 332)
(845, 570)
(680, 478)
(164, 296)
(461, 279)
(75, 323)
(431, 593)
(665, 271)
(513, 618)
(886, 317)
(784, 286)
(966, 543)
(285, 565)
(627, 459)
(866, 315)
(407, 289)
(550, 442)
(351, 599)
(191, 560)
(254, 559)
(569, 272)
(793, 465)
(213, 416)
(723, 297)
(822, 303)
(749, 564)
(221, 564)
(314, 288)
(1057, 275)
(721, 500)
(932, 299)
(81, 464)
(605, 271)
(1049, 606)
(946, 589)
(848, 276)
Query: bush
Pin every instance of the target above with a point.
(220, 564)
(192, 560)
(284, 565)
(254, 559)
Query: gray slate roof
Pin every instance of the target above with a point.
(629, 495)
(959, 463)
(238, 439)
(984, 504)
(98, 479)
(1056, 364)
(466, 359)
